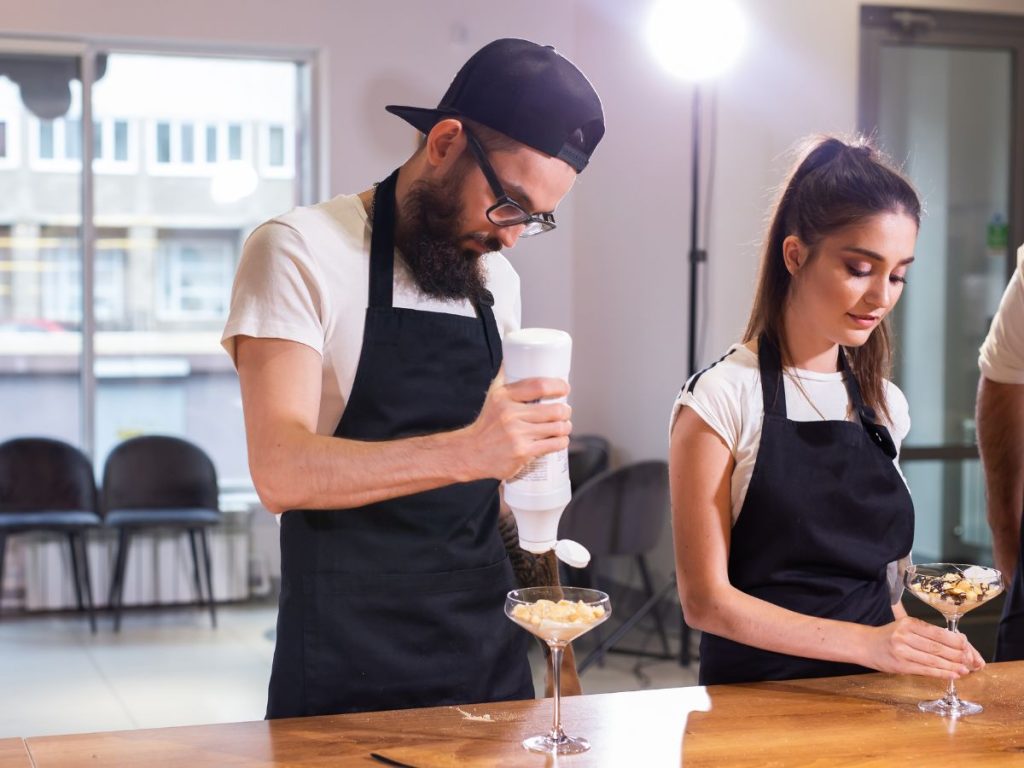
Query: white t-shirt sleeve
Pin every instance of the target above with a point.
(1002, 354)
(277, 290)
(716, 399)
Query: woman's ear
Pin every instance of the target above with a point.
(794, 253)
(444, 142)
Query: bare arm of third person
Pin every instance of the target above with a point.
(537, 571)
(1000, 420)
(295, 468)
(701, 468)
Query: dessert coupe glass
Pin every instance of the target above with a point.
(557, 615)
(952, 589)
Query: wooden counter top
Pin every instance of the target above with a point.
(13, 754)
(865, 720)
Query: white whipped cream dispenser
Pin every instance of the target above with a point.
(539, 492)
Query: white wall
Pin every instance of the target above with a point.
(614, 273)
(797, 76)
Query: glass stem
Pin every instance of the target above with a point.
(557, 734)
(951, 697)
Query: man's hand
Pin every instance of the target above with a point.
(514, 428)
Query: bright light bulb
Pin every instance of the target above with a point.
(696, 39)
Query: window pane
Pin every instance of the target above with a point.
(187, 143)
(3, 139)
(276, 149)
(234, 142)
(163, 142)
(949, 111)
(73, 139)
(120, 141)
(163, 284)
(97, 141)
(211, 144)
(46, 139)
(40, 261)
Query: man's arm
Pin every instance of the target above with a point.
(1000, 424)
(294, 468)
(538, 571)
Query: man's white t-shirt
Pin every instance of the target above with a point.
(1002, 354)
(727, 397)
(304, 276)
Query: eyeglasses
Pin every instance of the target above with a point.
(506, 212)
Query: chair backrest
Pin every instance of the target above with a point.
(42, 474)
(619, 512)
(588, 457)
(158, 472)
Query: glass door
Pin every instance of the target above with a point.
(41, 259)
(190, 155)
(940, 92)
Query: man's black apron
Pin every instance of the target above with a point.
(825, 513)
(1010, 639)
(401, 603)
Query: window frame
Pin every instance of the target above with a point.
(287, 169)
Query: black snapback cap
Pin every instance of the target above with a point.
(529, 92)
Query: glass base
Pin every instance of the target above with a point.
(565, 745)
(950, 707)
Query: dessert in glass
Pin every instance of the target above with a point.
(952, 589)
(557, 615)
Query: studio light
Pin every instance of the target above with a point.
(697, 41)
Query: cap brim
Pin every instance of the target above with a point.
(421, 118)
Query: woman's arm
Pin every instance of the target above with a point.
(701, 467)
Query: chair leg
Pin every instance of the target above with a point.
(625, 627)
(86, 580)
(196, 578)
(209, 575)
(3, 551)
(649, 590)
(589, 579)
(76, 575)
(117, 585)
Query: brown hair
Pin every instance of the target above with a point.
(833, 185)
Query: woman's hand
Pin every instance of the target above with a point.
(911, 646)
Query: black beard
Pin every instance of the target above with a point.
(427, 234)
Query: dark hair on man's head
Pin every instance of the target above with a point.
(833, 185)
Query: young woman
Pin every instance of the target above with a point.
(790, 515)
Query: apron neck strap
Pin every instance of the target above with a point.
(769, 361)
(852, 385)
(382, 243)
(878, 433)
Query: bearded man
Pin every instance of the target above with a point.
(366, 331)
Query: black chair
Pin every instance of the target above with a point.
(588, 457)
(49, 485)
(622, 512)
(160, 482)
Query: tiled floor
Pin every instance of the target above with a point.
(170, 668)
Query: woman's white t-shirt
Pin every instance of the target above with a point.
(304, 276)
(727, 397)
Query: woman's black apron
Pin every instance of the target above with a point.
(401, 603)
(825, 513)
